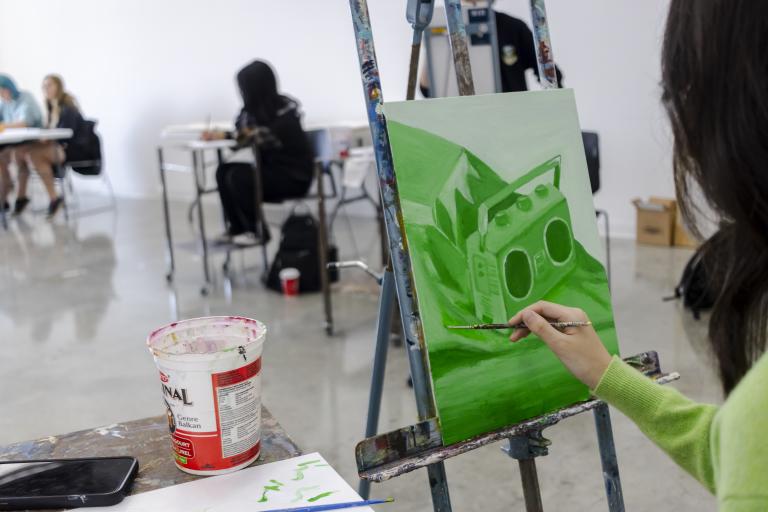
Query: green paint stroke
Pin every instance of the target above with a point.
(299, 496)
(275, 487)
(485, 243)
(321, 496)
(302, 467)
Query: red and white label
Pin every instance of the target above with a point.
(214, 418)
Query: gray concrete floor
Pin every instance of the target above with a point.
(77, 301)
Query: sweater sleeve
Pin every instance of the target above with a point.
(679, 426)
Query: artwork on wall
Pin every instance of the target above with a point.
(498, 214)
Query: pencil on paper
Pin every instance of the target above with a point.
(556, 325)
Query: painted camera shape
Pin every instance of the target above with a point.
(524, 245)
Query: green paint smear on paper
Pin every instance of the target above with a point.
(275, 487)
(301, 468)
(480, 252)
(321, 496)
(299, 496)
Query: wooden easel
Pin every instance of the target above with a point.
(395, 453)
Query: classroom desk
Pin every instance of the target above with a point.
(186, 137)
(16, 136)
(197, 150)
(12, 136)
(147, 440)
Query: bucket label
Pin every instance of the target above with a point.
(238, 408)
(213, 418)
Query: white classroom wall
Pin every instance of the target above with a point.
(139, 65)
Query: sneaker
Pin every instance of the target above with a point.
(244, 239)
(20, 205)
(54, 206)
(223, 239)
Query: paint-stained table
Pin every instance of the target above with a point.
(147, 440)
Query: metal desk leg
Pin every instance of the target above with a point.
(386, 301)
(197, 167)
(325, 278)
(608, 459)
(167, 217)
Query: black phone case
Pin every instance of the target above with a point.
(75, 500)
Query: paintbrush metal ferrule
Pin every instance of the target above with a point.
(556, 325)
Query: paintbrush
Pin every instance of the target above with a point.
(556, 325)
(333, 506)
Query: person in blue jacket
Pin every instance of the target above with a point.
(18, 109)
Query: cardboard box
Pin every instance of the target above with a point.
(682, 237)
(655, 221)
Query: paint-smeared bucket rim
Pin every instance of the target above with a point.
(253, 331)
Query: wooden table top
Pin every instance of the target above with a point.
(146, 439)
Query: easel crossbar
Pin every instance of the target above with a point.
(401, 451)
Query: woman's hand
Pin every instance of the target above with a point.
(213, 135)
(579, 348)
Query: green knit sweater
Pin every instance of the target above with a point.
(725, 448)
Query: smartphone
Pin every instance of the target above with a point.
(65, 483)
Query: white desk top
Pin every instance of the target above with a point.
(17, 135)
(198, 144)
(194, 130)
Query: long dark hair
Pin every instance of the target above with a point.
(715, 90)
(258, 88)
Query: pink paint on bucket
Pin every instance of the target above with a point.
(289, 280)
(210, 377)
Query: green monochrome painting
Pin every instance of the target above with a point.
(498, 214)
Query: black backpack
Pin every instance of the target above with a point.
(299, 249)
(84, 152)
(694, 287)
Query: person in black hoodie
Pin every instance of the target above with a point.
(62, 112)
(273, 122)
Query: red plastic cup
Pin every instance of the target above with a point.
(289, 281)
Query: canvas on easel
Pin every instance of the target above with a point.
(498, 214)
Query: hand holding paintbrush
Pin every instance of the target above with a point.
(580, 349)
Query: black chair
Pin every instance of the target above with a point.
(88, 168)
(592, 151)
(591, 142)
(324, 165)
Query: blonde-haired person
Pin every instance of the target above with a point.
(62, 112)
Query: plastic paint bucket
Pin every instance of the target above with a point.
(210, 377)
(289, 280)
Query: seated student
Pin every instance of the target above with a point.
(62, 112)
(273, 121)
(18, 109)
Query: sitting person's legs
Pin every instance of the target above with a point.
(236, 190)
(43, 157)
(6, 185)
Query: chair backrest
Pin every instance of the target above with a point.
(86, 159)
(592, 152)
(322, 148)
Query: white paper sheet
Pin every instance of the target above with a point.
(288, 483)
